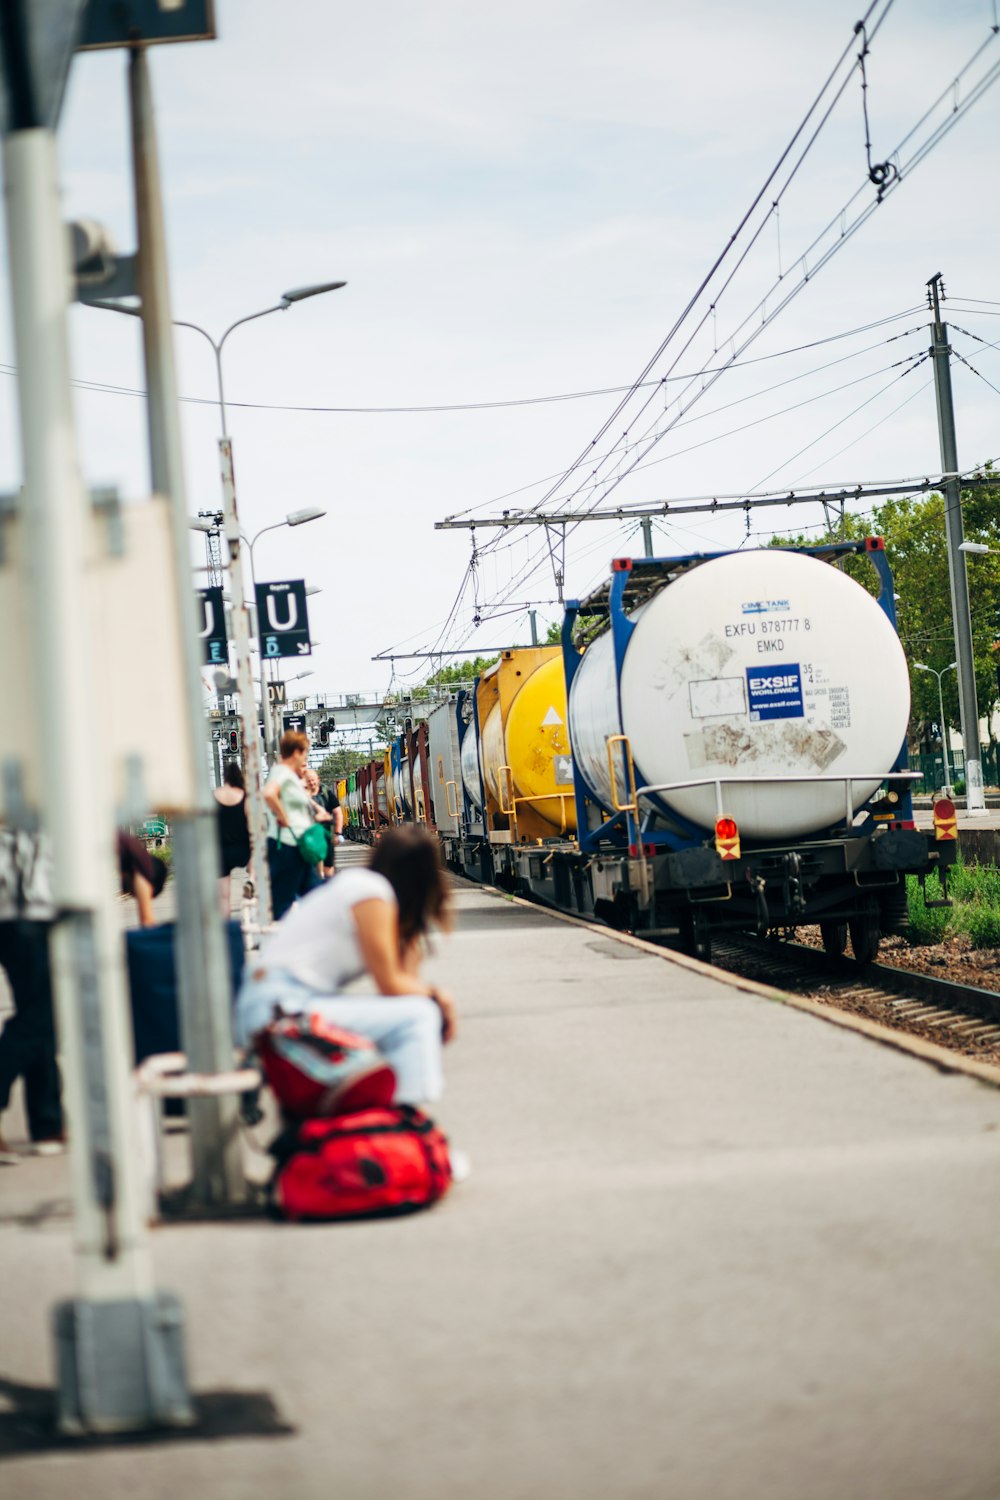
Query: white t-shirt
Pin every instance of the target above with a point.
(25, 877)
(317, 940)
(294, 800)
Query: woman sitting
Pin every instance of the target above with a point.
(369, 920)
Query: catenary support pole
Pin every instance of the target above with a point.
(647, 536)
(975, 801)
(119, 1344)
(203, 970)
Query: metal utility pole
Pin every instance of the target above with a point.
(203, 969)
(534, 626)
(957, 573)
(647, 536)
(119, 1342)
(252, 758)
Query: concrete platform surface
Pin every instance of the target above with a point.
(713, 1248)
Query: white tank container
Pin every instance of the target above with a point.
(763, 663)
(399, 789)
(470, 768)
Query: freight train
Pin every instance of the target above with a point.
(719, 745)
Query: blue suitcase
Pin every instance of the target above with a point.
(152, 978)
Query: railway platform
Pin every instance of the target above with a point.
(713, 1247)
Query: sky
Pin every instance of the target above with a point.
(522, 201)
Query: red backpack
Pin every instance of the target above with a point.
(378, 1161)
(315, 1068)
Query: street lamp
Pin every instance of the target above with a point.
(293, 518)
(978, 547)
(287, 300)
(241, 627)
(921, 666)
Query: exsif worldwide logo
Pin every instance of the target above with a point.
(775, 693)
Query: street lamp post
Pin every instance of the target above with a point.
(293, 518)
(241, 625)
(922, 666)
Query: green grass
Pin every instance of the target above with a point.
(975, 890)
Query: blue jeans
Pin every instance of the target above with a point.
(405, 1028)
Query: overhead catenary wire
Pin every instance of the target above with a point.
(754, 395)
(921, 359)
(716, 265)
(847, 222)
(962, 359)
(846, 231)
(138, 392)
(867, 432)
(523, 576)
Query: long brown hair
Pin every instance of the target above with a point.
(410, 859)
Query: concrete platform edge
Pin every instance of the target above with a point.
(938, 1057)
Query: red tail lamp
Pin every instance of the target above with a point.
(727, 839)
(945, 819)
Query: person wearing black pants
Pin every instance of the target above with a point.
(28, 1038)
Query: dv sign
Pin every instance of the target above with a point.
(282, 619)
(212, 626)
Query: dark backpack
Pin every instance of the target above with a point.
(315, 1068)
(375, 1162)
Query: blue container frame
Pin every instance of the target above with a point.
(627, 829)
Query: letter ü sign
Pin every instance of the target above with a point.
(284, 623)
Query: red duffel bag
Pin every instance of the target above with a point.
(378, 1161)
(315, 1068)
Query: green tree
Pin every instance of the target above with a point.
(915, 543)
(342, 762)
(462, 674)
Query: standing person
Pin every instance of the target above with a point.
(330, 802)
(234, 833)
(28, 1039)
(288, 816)
(373, 921)
(326, 805)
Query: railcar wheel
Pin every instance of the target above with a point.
(834, 935)
(699, 939)
(866, 934)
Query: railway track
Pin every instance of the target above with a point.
(960, 1017)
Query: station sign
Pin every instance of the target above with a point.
(130, 23)
(212, 627)
(282, 621)
(276, 692)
